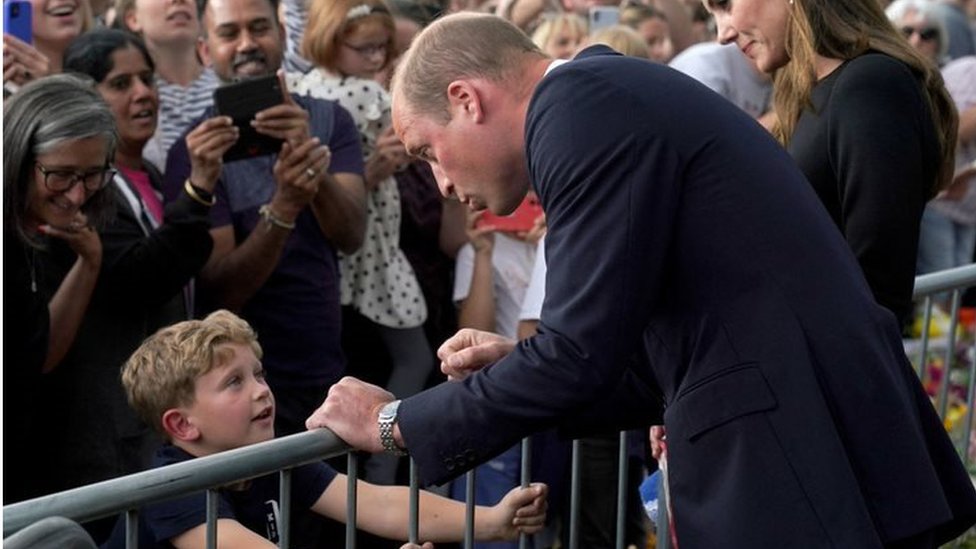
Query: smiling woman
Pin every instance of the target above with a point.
(58, 137)
(149, 257)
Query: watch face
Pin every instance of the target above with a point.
(389, 411)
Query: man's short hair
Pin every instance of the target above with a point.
(202, 9)
(162, 373)
(462, 45)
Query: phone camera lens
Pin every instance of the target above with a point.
(14, 10)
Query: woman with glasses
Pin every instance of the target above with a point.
(350, 41)
(150, 257)
(864, 114)
(58, 140)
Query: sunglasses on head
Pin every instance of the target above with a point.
(926, 34)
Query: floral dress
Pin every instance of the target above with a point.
(377, 280)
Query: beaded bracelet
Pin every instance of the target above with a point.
(272, 220)
(192, 191)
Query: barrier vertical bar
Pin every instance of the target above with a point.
(574, 498)
(131, 529)
(926, 321)
(663, 524)
(414, 526)
(469, 479)
(212, 499)
(950, 354)
(526, 476)
(284, 508)
(622, 491)
(352, 498)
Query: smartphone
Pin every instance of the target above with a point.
(603, 16)
(521, 220)
(17, 19)
(241, 101)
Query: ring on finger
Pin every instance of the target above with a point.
(310, 173)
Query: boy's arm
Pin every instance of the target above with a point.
(477, 308)
(230, 535)
(384, 511)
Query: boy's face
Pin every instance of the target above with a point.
(233, 406)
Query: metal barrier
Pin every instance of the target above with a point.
(127, 494)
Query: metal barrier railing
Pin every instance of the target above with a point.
(127, 494)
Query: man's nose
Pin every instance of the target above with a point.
(443, 183)
(246, 42)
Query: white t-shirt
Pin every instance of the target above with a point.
(728, 72)
(535, 294)
(512, 261)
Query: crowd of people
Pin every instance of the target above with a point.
(695, 162)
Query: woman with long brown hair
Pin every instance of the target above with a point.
(866, 117)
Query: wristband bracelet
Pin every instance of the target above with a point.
(191, 190)
(272, 220)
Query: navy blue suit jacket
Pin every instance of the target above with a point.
(678, 228)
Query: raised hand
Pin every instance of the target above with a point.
(471, 350)
(206, 145)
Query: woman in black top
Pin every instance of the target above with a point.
(58, 141)
(867, 118)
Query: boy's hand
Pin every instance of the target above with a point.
(522, 510)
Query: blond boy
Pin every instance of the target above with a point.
(201, 384)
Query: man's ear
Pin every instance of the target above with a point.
(179, 427)
(464, 99)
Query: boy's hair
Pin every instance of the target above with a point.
(162, 373)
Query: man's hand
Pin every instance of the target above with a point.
(206, 145)
(298, 172)
(522, 510)
(427, 545)
(287, 121)
(471, 350)
(351, 411)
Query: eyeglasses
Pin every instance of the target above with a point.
(368, 50)
(926, 34)
(61, 181)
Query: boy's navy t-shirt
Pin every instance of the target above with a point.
(256, 507)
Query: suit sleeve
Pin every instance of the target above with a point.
(610, 193)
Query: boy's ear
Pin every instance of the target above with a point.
(179, 427)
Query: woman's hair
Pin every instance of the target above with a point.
(845, 29)
(899, 9)
(552, 26)
(633, 15)
(91, 53)
(330, 21)
(623, 39)
(45, 114)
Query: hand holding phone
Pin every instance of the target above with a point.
(17, 19)
(523, 219)
(241, 101)
(602, 17)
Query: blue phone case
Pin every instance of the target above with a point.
(17, 19)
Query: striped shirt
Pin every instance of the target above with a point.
(179, 107)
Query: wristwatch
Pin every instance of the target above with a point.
(386, 421)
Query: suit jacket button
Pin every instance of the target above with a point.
(449, 464)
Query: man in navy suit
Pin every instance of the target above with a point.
(680, 230)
